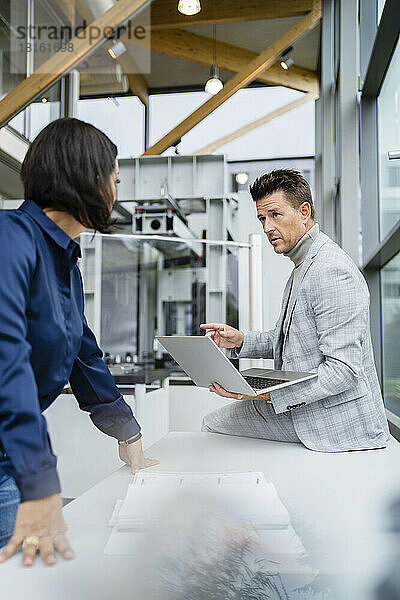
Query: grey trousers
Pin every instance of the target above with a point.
(251, 418)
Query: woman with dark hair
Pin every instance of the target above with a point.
(69, 173)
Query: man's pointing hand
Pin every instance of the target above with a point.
(223, 335)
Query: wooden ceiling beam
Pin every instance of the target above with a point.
(164, 14)
(247, 74)
(199, 49)
(274, 114)
(137, 83)
(59, 64)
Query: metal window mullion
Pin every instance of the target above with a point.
(349, 150)
(30, 61)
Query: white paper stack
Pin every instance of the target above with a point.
(244, 497)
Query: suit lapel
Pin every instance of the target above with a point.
(285, 300)
(303, 270)
(279, 325)
(320, 240)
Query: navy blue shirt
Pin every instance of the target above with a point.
(44, 342)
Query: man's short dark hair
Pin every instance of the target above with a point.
(288, 181)
(68, 168)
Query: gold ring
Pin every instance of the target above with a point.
(31, 540)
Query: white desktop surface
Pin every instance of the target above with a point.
(337, 502)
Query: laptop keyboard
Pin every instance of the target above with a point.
(260, 383)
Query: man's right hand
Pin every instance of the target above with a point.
(42, 519)
(223, 335)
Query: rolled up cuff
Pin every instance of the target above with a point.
(39, 485)
(128, 430)
(115, 419)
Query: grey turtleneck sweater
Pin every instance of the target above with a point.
(297, 255)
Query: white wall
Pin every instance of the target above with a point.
(85, 455)
(189, 404)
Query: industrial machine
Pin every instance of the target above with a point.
(175, 269)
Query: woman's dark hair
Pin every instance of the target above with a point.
(288, 181)
(68, 168)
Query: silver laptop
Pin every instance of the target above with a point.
(204, 362)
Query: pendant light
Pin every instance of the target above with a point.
(189, 7)
(214, 84)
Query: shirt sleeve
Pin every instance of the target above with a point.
(23, 429)
(96, 392)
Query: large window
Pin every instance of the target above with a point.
(390, 282)
(291, 134)
(389, 140)
(380, 185)
(13, 55)
(122, 119)
(39, 113)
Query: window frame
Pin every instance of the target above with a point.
(377, 45)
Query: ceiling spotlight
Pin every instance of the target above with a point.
(189, 7)
(116, 49)
(44, 100)
(285, 64)
(286, 60)
(242, 178)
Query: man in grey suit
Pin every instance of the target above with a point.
(323, 327)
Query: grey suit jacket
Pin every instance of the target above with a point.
(329, 333)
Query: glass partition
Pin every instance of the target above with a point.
(33, 32)
(39, 113)
(137, 287)
(13, 57)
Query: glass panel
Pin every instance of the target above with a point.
(13, 54)
(43, 111)
(39, 113)
(390, 281)
(122, 119)
(380, 5)
(34, 31)
(139, 287)
(54, 23)
(292, 134)
(58, 23)
(389, 140)
(19, 123)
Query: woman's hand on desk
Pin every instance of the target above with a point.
(217, 389)
(133, 456)
(40, 524)
(223, 335)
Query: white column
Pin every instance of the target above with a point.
(256, 289)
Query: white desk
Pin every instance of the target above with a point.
(337, 502)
